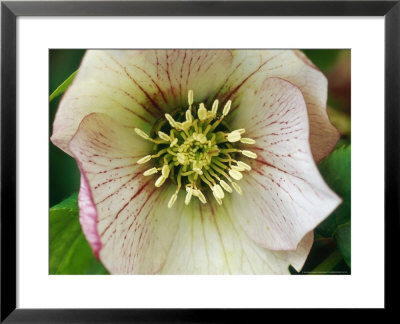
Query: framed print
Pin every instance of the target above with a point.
(228, 147)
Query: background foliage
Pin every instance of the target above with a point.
(331, 252)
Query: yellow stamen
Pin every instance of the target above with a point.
(195, 151)
(245, 140)
(172, 200)
(235, 174)
(165, 170)
(238, 168)
(190, 97)
(214, 107)
(164, 136)
(150, 171)
(143, 160)
(249, 154)
(244, 165)
(227, 107)
(202, 112)
(171, 120)
(225, 186)
(234, 136)
(160, 181)
(141, 133)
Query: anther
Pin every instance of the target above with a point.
(245, 140)
(164, 136)
(244, 165)
(150, 171)
(219, 191)
(165, 171)
(234, 136)
(141, 133)
(225, 186)
(171, 120)
(190, 97)
(214, 107)
(145, 159)
(249, 154)
(172, 200)
(227, 107)
(237, 168)
(160, 181)
(202, 112)
(235, 174)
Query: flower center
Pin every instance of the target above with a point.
(195, 149)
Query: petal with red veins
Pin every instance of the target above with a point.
(139, 234)
(136, 87)
(106, 152)
(251, 67)
(284, 196)
(209, 241)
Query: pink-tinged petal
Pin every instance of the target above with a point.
(210, 241)
(136, 87)
(132, 215)
(284, 196)
(88, 216)
(251, 67)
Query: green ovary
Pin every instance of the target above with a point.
(195, 149)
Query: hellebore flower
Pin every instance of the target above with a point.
(198, 161)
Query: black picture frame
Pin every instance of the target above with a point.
(10, 11)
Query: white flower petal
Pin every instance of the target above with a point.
(284, 196)
(251, 67)
(140, 235)
(133, 220)
(209, 241)
(135, 87)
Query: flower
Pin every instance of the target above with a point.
(198, 161)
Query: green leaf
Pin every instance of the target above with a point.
(70, 253)
(324, 59)
(63, 86)
(336, 170)
(342, 238)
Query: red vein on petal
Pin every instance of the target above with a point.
(155, 105)
(126, 204)
(154, 82)
(169, 77)
(120, 188)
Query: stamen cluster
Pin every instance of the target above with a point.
(194, 149)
